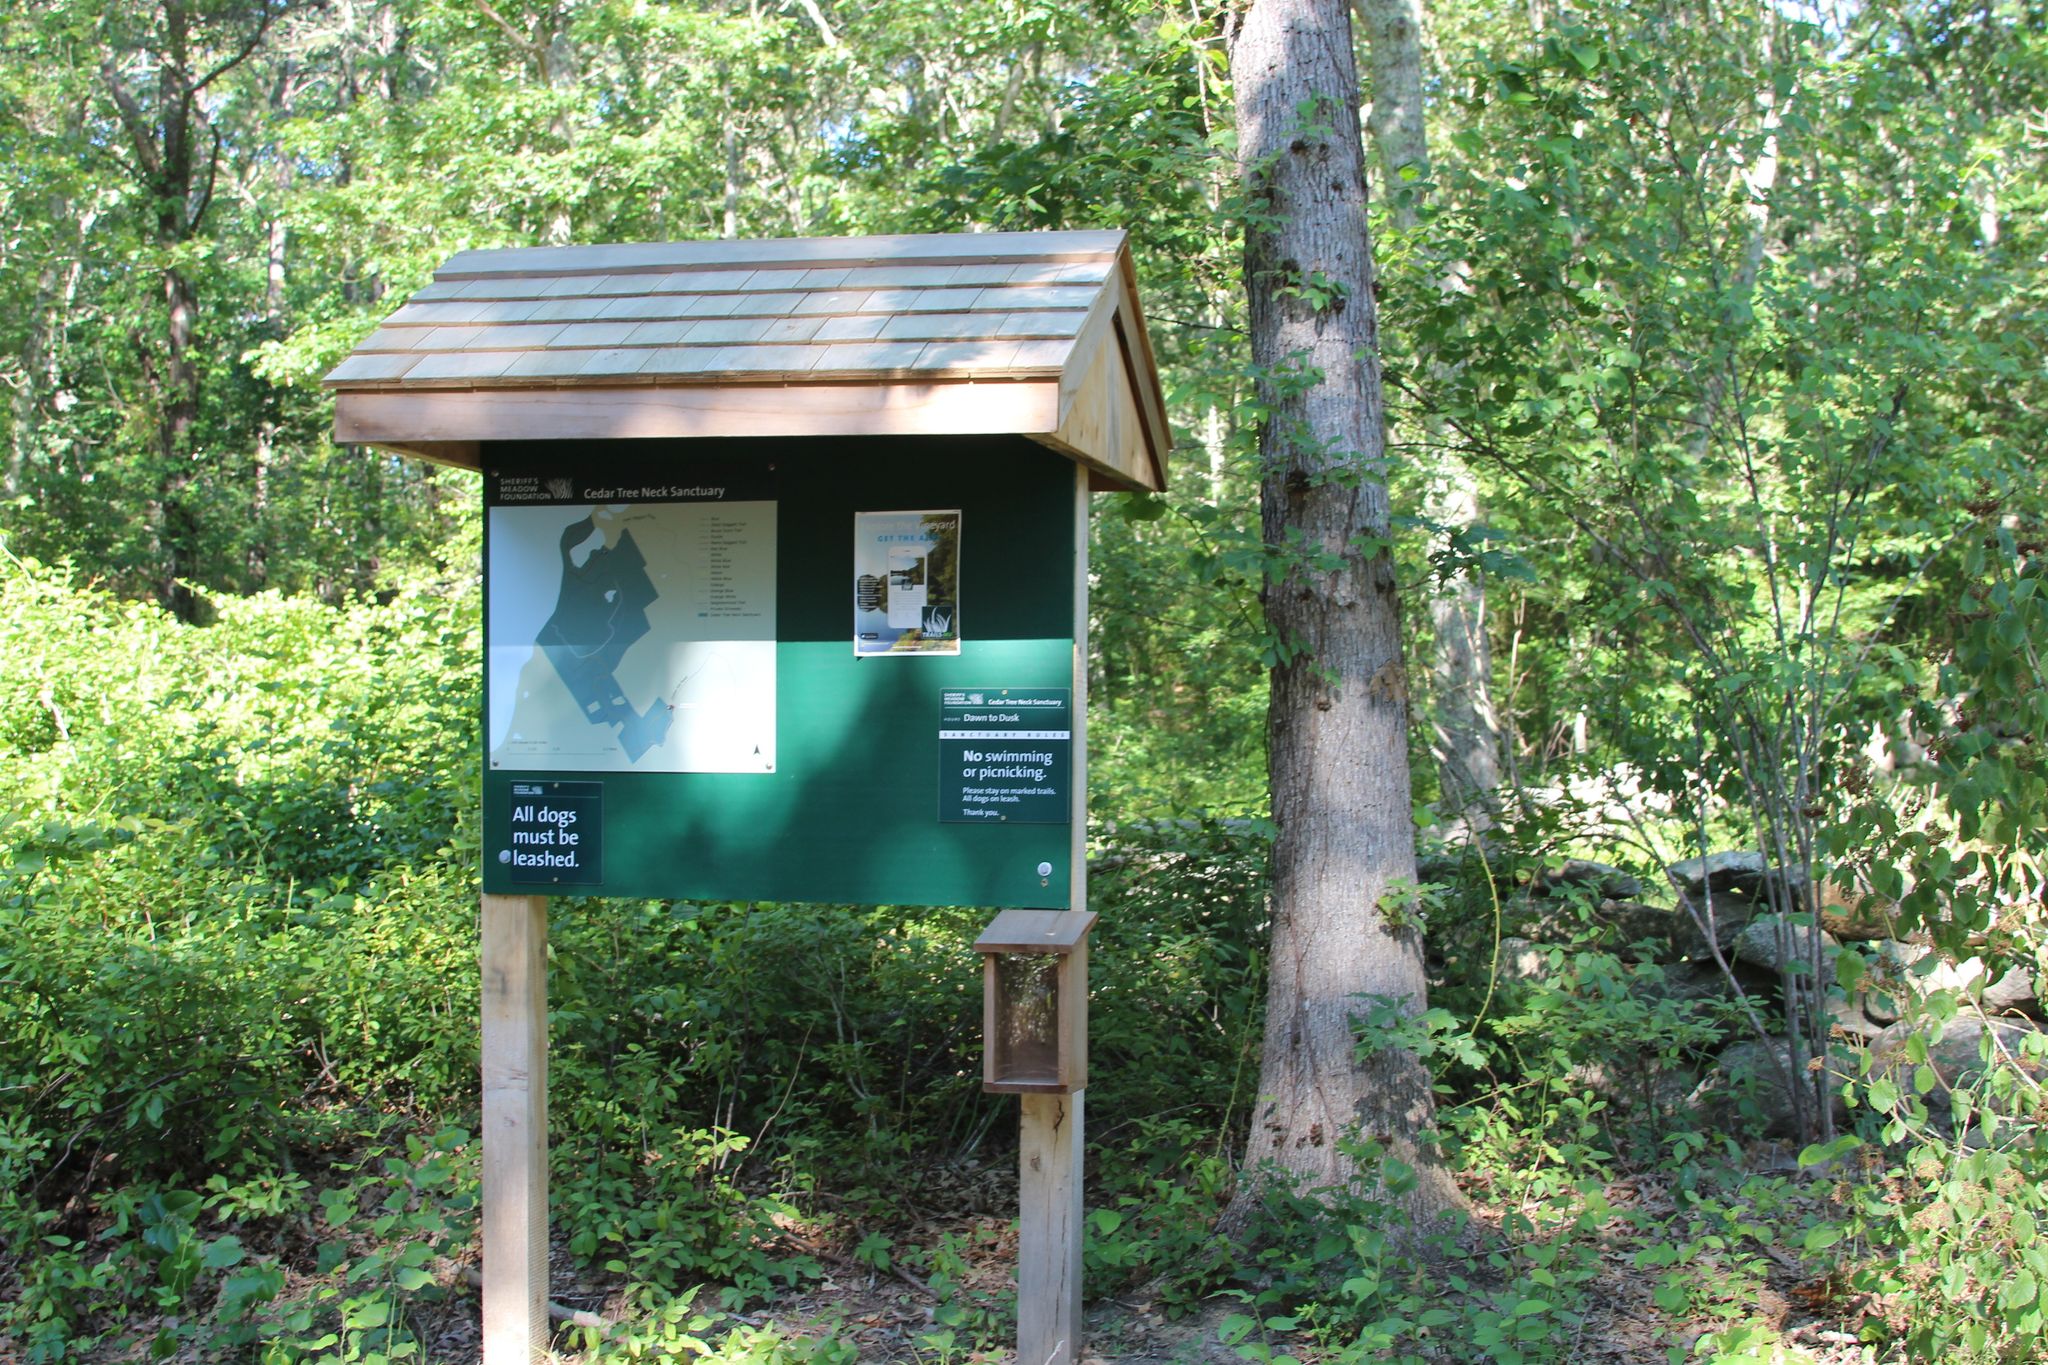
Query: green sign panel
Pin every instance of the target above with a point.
(1005, 754)
(731, 662)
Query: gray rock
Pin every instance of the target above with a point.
(1857, 912)
(1783, 887)
(1909, 971)
(1883, 989)
(1521, 960)
(1748, 1082)
(1848, 1019)
(1956, 1056)
(1728, 913)
(1630, 922)
(1622, 923)
(1773, 942)
(1611, 883)
(1879, 1004)
(1972, 977)
(1739, 870)
(1688, 982)
(1644, 1092)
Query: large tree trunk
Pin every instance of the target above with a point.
(1338, 723)
(1393, 55)
(562, 71)
(551, 48)
(1464, 728)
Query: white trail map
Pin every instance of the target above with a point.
(632, 636)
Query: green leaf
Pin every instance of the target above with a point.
(223, 1252)
(1816, 1154)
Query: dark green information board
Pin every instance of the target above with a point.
(674, 637)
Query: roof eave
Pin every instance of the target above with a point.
(452, 426)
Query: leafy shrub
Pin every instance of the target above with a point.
(1160, 1192)
(223, 920)
(1176, 969)
(1944, 1217)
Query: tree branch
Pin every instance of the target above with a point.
(264, 15)
(817, 18)
(147, 153)
(197, 211)
(525, 44)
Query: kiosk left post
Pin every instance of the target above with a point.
(513, 957)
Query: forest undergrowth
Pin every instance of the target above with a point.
(238, 1093)
(1713, 345)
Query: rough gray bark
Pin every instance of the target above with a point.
(819, 22)
(729, 225)
(283, 99)
(56, 283)
(1337, 727)
(562, 72)
(1393, 54)
(1464, 727)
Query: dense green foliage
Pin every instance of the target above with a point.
(1737, 317)
(237, 928)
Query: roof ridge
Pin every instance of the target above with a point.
(630, 258)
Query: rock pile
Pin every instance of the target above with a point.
(1728, 937)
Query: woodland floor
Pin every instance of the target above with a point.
(884, 1313)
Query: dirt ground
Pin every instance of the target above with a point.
(886, 1313)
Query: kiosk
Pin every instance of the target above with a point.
(786, 599)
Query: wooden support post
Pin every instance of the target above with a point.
(514, 962)
(1049, 1231)
(1050, 1129)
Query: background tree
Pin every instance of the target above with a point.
(1464, 727)
(1715, 340)
(159, 69)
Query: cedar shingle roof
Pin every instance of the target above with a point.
(1037, 333)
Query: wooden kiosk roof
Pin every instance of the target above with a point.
(1032, 333)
